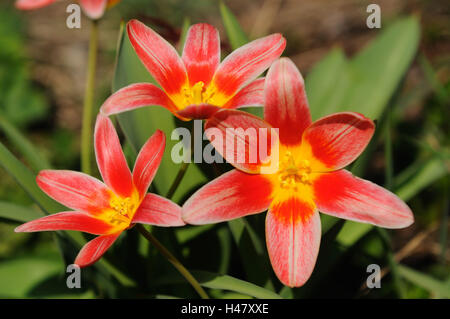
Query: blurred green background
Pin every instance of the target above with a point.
(398, 75)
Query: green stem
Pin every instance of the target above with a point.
(86, 131)
(27, 149)
(177, 181)
(182, 170)
(175, 262)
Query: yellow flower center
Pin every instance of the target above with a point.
(198, 93)
(122, 210)
(297, 170)
(292, 173)
(292, 184)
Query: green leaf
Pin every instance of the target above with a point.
(233, 29)
(184, 31)
(327, 222)
(27, 149)
(366, 83)
(21, 102)
(286, 292)
(433, 80)
(218, 281)
(19, 276)
(252, 252)
(239, 227)
(215, 281)
(27, 180)
(166, 297)
(351, 232)
(18, 213)
(427, 282)
(382, 65)
(122, 278)
(237, 38)
(321, 81)
(225, 250)
(188, 232)
(82, 295)
(140, 124)
(419, 175)
(234, 295)
(40, 276)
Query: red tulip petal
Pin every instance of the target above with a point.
(250, 95)
(201, 53)
(159, 211)
(159, 57)
(94, 250)
(338, 139)
(286, 105)
(67, 221)
(346, 196)
(293, 234)
(110, 158)
(198, 112)
(246, 63)
(32, 4)
(234, 194)
(75, 190)
(243, 139)
(94, 9)
(148, 161)
(134, 96)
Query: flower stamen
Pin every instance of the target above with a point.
(122, 210)
(198, 94)
(292, 173)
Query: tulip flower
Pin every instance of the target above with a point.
(94, 9)
(107, 209)
(196, 84)
(309, 177)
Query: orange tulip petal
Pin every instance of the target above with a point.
(346, 196)
(75, 190)
(110, 158)
(286, 105)
(338, 139)
(159, 57)
(201, 53)
(158, 211)
(198, 112)
(32, 4)
(247, 62)
(243, 139)
(135, 96)
(250, 95)
(293, 234)
(234, 194)
(148, 161)
(94, 9)
(67, 221)
(94, 250)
